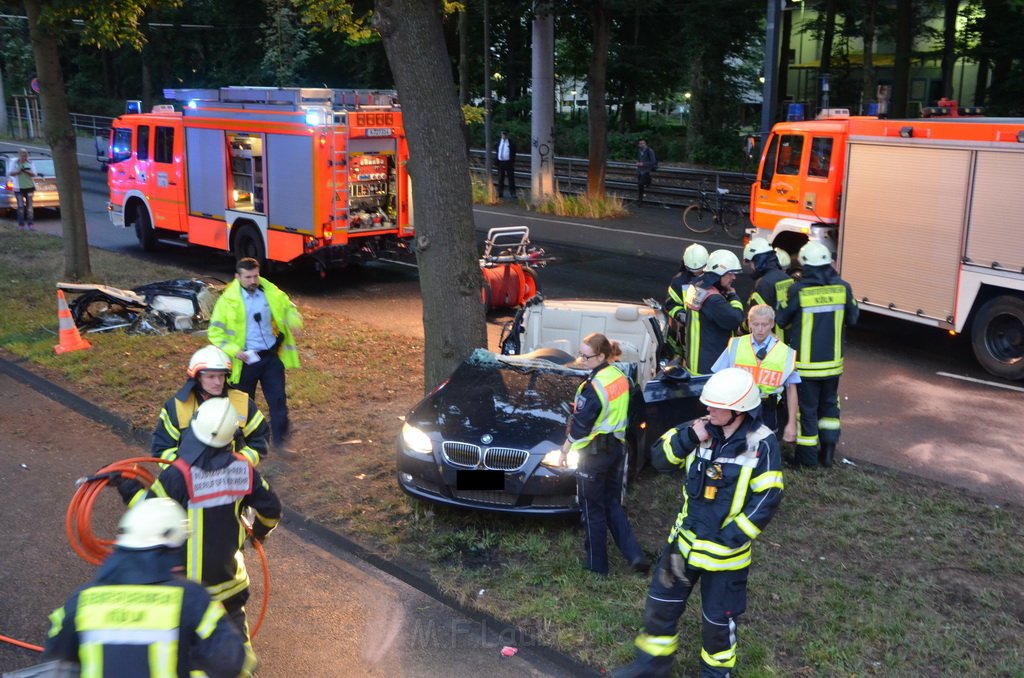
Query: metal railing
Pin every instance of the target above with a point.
(672, 186)
(27, 124)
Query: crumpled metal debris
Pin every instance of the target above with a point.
(182, 305)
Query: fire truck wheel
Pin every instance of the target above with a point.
(248, 243)
(997, 337)
(144, 229)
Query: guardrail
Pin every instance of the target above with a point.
(672, 186)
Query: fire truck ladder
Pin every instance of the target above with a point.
(339, 169)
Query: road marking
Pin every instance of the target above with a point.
(980, 381)
(579, 224)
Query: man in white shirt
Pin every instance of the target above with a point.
(505, 151)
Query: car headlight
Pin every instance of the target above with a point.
(554, 457)
(416, 440)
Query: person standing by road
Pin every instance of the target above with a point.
(646, 162)
(773, 365)
(207, 378)
(732, 489)
(714, 312)
(695, 257)
(256, 323)
(505, 153)
(138, 618)
(215, 486)
(596, 432)
(24, 188)
(819, 308)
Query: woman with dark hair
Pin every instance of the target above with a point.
(595, 437)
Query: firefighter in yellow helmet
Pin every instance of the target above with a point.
(820, 306)
(208, 372)
(714, 312)
(732, 489)
(138, 618)
(695, 258)
(215, 486)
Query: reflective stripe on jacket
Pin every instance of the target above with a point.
(177, 413)
(815, 321)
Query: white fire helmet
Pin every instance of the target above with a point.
(731, 389)
(153, 523)
(722, 262)
(215, 422)
(754, 247)
(695, 257)
(814, 254)
(208, 358)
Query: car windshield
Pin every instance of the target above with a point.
(43, 167)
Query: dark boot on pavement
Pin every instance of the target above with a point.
(645, 666)
(828, 453)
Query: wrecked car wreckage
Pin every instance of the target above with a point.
(182, 305)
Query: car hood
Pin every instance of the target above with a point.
(515, 402)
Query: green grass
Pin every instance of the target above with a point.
(568, 205)
(863, 572)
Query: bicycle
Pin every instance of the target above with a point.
(702, 216)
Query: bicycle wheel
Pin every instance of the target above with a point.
(698, 219)
(734, 222)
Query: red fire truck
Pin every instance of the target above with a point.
(921, 215)
(279, 174)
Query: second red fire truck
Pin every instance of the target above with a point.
(280, 174)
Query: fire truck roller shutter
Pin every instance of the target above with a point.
(288, 168)
(207, 193)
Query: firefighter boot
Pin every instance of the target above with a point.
(828, 453)
(645, 666)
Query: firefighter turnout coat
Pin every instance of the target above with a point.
(711, 320)
(819, 307)
(227, 324)
(251, 442)
(733, 487)
(214, 488)
(137, 619)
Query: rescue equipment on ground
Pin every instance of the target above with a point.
(509, 265)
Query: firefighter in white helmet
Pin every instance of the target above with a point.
(819, 307)
(771, 281)
(215, 486)
(138, 618)
(695, 257)
(732, 489)
(208, 372)
(714, 312)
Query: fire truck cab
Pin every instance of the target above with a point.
(279, 174)
(921, 216)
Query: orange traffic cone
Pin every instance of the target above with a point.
(70, 339)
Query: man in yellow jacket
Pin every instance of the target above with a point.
(256, 323)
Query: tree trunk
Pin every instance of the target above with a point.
(901, 65)
(949, 46)
(597, 112)
(463, 57)
(450, 278)
(61, 138)
(782, 77)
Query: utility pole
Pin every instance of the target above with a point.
(542, 125)
(771, 67)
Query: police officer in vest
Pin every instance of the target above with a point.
(732, 489)
(819, 308)
(773, 365)
(771, 282)
(138, 618)
(714, 312)
(594, 447)
(695, 258)
(215, 486)
(207, 378)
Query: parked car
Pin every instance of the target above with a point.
(45, 195)
(489, 437)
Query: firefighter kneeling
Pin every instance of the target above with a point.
(733, 487)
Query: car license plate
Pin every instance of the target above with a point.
(483, 481)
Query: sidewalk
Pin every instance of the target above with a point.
(334, 609)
